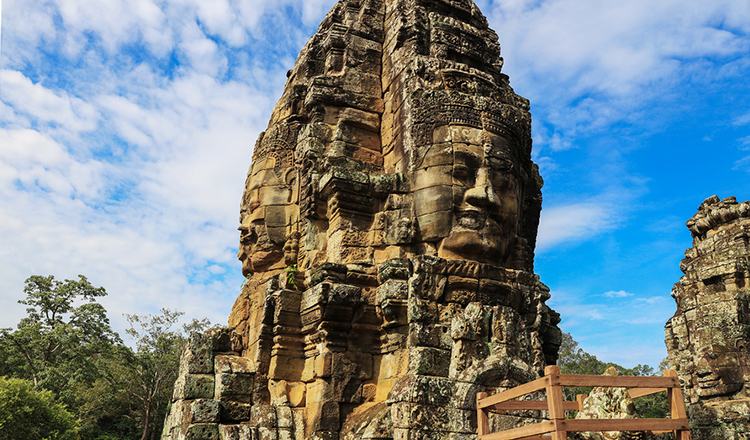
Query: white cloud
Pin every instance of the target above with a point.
(628, 333)
(576, 221)
(115, 22)
(617, 294)
(592, 63)
(128, 169)
(44, 105)
(741, 120)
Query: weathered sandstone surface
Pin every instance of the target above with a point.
(707, 338)
(388, 227)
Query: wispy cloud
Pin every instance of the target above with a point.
(127, 127)
(45, 106)
(617, 294)
(594, 64)
(741, 120)
(570, 222)
(126, 134)
(626, 328)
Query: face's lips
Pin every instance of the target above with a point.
(471, 218)
(709, 381)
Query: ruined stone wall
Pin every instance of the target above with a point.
(387, 234)
(707, 338)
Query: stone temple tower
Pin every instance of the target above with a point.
(387, 233)
(709, 335)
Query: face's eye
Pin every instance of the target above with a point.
(248, 237)
(500, 165)
(461, 172)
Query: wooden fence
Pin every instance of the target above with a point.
(557, 427)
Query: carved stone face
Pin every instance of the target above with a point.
(264, 218)
(467, 194)
(709, 345)
(257, 252)
(718, 353)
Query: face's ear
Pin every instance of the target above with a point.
(289, 176)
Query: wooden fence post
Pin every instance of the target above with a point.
(677, 405)
(555, 401)
(483, 421)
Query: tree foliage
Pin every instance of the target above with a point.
(65, 345)
(144, 378)
(33, 414)
(58, 342)
(574, 360)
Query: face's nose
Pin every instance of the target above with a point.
(244, 232)
(702, 368)
(482, 194)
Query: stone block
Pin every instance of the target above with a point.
(361, 119)
(354, 135)
(268, 433)
(264, 416)
(466, 135)
(221, 339)
(324, 416)
(202, 431)
(430, 335)
(435, 225)
(204, 411)
(197, 354)
(369, 392)
(440, 154)
(178, 414)
(324, 435)
(275, 195)
(352, 364)
(392, 289)
(322, 365)
(345, 295)
(325, 293)
(284, 417)
(319, 391)
(233, 411)
(422, 311)
(233, 364)
(434, 176)
(277, 217)
(428, 286)
(195, 386)
(430, 361)
(464, 395)
(285, 434)
(237, 432)
(494, 293)
(316, 295)
(390, 185)
(439, 419)
(234, 384)
(286, 367)
(396, 268)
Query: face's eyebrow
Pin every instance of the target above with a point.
(468, 158)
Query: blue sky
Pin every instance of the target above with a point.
(127, 128)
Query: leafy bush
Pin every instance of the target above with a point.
(30, 414)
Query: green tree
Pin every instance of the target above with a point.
(574, 360)
(58, 343)
(32, 414)
(138, 383)
(66, 345)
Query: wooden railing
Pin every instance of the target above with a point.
(557, 427)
